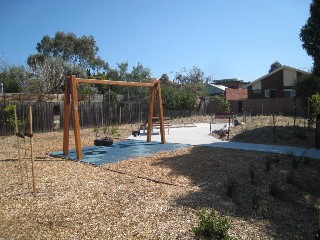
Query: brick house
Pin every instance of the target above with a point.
(277, 84)
(234, 83)
(228, 93)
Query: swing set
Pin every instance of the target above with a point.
(71, 104)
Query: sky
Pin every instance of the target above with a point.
(224, 38)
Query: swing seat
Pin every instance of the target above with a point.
(103, 141)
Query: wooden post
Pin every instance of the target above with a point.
(75, 113)
(150, 114)
(229, 126)
(161, 119)
(318, 220)
(31, 149)
(18, 141)
(274, 128)
(318, 131)
(66, 116)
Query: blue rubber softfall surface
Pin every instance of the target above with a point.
(99, 155)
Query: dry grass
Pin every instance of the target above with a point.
(155, 197)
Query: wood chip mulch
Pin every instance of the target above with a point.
(156, 197)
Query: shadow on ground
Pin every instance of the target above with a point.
(290, 214)
(281, 135)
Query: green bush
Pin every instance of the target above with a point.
(10, 120)
(315, 103)
(182, 99)
(212, 226)
(223, 103)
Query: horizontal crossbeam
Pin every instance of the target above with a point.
(111, 82)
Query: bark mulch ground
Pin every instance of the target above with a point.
(269, 196)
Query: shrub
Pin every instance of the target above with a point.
(212, 226)
(256, 203)
(301, 134)
(275, 188)
(231, 187)
(252, 174)
(114, 130)
(275, 159)
(268, 164)
(306, 160)
(95, 129)
(290, 178)
(296, 159)
(10, 119)
(295, 162)
(315, 103)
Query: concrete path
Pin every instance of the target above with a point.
(199, 135)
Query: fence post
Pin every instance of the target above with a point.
(318, 131)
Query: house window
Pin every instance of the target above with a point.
(289, 93)
(270, 93)
(256, 91)
(267, 93)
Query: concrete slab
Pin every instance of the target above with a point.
(200, 136)
(195, 135)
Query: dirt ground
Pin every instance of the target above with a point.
(158, 197)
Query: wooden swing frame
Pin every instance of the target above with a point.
(71, 103)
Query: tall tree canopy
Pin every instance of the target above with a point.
(310, 36)
(70, 49)
(64, 54)
(275, 66)
(194, 76)
(138, 73)
(165, 79)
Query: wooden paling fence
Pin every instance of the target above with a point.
(91, 114)
(96, 110)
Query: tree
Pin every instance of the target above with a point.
(315, 103)
(168, 98)
(306, 86)
(47, 76)
(275, 66)
(7, 78)
(64, 54)
(80, 51)
(310, 36)
(195, 80)
(191, 92)
(138, 74)
(165, 80)
(13, 78)
(194, 76)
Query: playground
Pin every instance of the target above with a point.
(155, 196)
(151, 186)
